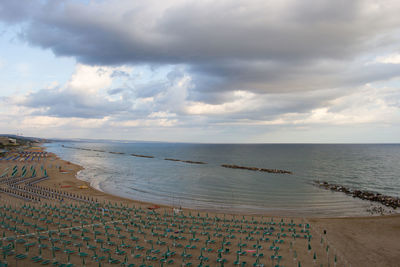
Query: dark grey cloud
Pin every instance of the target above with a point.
(199, 32)
(65, 103)
(271, 107)
(371, 73)
(17, 11)
(263, 46)
(280, 50)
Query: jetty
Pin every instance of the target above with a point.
(118, 153)
(142, 156)
(256, 169)
(186, 161)
(388, 201)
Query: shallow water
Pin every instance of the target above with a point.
(211, 187)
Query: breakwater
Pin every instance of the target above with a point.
(256, 169)
(186, 161)
(192, 162)
(388, 201)
(142, 156)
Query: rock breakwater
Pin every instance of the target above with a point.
(388, 201)
(117, 153)
(256, 169)
(186, 161)
(142, 156)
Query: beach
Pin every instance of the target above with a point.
(150, 231)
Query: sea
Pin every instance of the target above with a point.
(210, 187)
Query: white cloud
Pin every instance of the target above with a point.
(242, 101)
(170, 107)
(146, 123)
(390, 59)
(91, 79)
(173, 98)
(161, 114)
(365, 106)
(368, 105)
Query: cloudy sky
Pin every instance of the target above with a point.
(201, 71)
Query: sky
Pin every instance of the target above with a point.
(238, 71)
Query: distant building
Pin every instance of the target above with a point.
(6, 141)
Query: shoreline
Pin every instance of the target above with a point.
(376, 209)
(113, 196)
(224, 210)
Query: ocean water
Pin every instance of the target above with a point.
(212, 187)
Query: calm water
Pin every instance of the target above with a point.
(211, 187)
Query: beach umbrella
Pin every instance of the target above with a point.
(87, 239)
(78, 245)
(69, 252)
(28, 246)
(53, 251)
(96, 233)
(100, 241)
(125, 260)
(41, 246)
(93, 248)
(83, 255)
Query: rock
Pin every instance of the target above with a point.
(256, 169)
(388, 201)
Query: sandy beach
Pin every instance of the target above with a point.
(93, 228)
